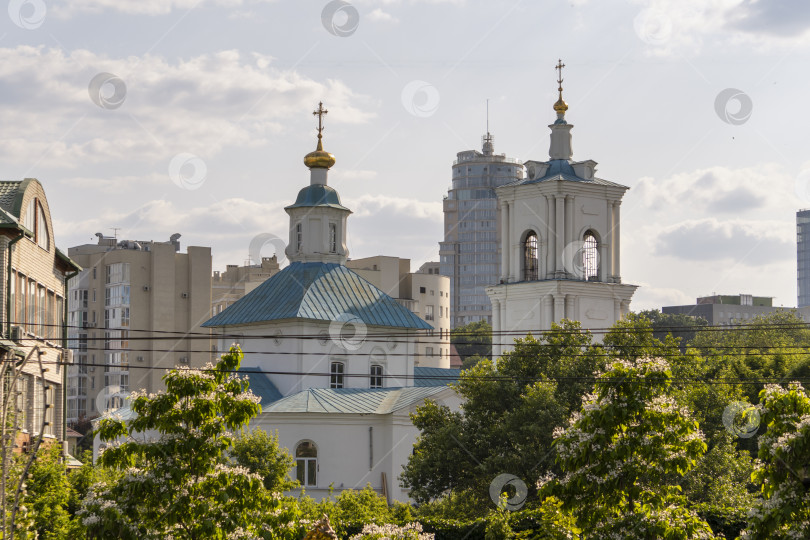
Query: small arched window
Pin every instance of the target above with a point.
(332, 238)
(336, 375)
(306, 463)
(590, 256)
(530, 267)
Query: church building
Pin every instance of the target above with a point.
(332, 357)
(560, 245)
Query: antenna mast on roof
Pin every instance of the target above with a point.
(115, 232)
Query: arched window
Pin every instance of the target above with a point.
(376, 379)
(299, 238)
(43, 238)
(30, 215)
(306, 463)
(530, 267)
(336, 375)
(590, 256)
(332, 238)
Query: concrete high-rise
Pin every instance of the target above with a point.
(470, 253)
(134, 312)
(803, 256)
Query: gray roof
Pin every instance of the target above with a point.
(261, 385)
(561, 169)
(352, 400)
(318, 291)
(433, 376)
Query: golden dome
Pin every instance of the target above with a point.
(320, 158)
(561, 106)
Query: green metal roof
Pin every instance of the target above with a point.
(352, 400)
(261, 385)
(321, 292)
(433, 376)
(561, 169)
(318, 195)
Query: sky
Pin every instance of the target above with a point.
(153, 117)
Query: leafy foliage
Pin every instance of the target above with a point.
(261, 454)
(682, 327)
(473, 339)
(783, 470)
(175, 482)
(506, 419)
(620, 455)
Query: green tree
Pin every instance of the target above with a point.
(622, 453)
(682, 327)
(504, 426)
(175, 481)
(260, 452)
(473, 339)
(783, 469)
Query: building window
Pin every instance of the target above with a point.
(590, 256)
(299, 238)
(428, 313)
(332, 238)
(306, 463)
(336, 375)
(43, 237)
(428, 351)
(530, 257)
(376, 377)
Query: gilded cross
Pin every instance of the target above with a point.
(319, 113)
(559, 67)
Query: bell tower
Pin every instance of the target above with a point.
(560, 240)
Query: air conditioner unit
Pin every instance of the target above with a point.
(67, 356)
(16, 333)
(184, 359)
(89, 324)
(92, 369)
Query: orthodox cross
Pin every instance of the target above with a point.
(319, 113)
(559, 67)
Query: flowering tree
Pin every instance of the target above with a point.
(176, 484)
(622, 453)
(783, 468)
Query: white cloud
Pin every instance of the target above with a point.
(66, 8)
(199, 105)
(378, 15)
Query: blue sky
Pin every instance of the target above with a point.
(229, 86)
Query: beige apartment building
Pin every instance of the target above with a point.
(33, 286)
(425, 292)
(236, 281)
(134, 312)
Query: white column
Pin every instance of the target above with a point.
(505, 241)
(496, 328)
(505, 340)
(548, 312)
(617, 255)
(611, 215)
(617, 309)
(569, 307)
(551, 236)
(569, 220)
(560, 230)
(559, 307)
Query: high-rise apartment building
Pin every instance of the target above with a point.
(470, 253)
(803, 257)
(236, 281)
(425, 292)
(133, 313)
